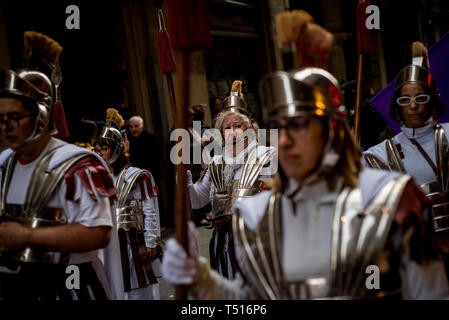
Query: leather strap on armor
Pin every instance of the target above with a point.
(125, 259)
(425, 156)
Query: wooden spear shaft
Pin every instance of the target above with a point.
(181, 121)
(358, 102)
(171, 92)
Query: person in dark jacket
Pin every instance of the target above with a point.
(140, 144)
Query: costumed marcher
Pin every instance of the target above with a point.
(328, 221)
(137, 214)
(240, 171)
(55, 197)
(84, 137)
(421, 148)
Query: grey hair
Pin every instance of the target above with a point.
(138, 119)
(222, 115)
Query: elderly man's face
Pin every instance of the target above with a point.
(135, 128)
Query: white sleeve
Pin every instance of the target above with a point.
(199, 192)
(151, 216)
(84, 210)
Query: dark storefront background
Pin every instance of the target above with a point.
(90, 60)
(95, 62)
(240, 51)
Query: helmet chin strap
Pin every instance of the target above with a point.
(114, 155)
(41, 121)
(36, 134)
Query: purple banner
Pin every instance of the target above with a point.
(439, 68)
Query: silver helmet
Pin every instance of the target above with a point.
(307, 92)
(415, 74)
(32, 85)
(304, 92)
(112, 132)
(235, 101)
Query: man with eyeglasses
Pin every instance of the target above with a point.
(54, 200)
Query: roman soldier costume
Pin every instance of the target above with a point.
(227, 180)
(137, 219)
(64, 185)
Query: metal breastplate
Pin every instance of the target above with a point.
(34, 212)
(357, 241)
(393, 158)
(129, 211)
(226, 193)
(437, 191)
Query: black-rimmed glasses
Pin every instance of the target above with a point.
(12, 120)
(295, 128)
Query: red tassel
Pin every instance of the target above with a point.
(59, 121)
(366, 42)
(166, 59)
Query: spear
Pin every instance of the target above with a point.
(365, 45)
(189, 25)
(167, 63)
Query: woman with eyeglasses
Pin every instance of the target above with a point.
(137, 214)
(421, 148)
(416, 106)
